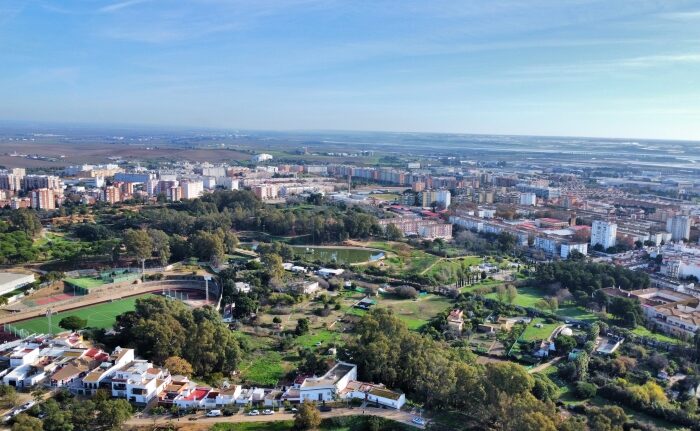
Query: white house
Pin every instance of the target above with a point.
(10, 281)
(330, 272)
(326, 387)
(140, 382)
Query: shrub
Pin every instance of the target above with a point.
(585, 390)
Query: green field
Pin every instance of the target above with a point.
(528, 297)
(98, 316)
(342, 255)
(532, 333)
(415, 313)
(86, 283)
(451, 266)
(263, 370)
(323, 336)
(644, 332)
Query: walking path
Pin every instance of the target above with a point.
(396, 415)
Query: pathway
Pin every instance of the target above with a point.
(396, 415)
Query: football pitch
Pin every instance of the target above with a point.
(97, 316)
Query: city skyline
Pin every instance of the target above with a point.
(585, 68)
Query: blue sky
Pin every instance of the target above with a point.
(613, 68)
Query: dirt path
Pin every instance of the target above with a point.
(205, 422)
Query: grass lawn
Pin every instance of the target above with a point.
(532, 333)
(323, 336)
(263, 370)
(644, 332)
(415, 313)
(404, 258)
(528, 297)
(98, 316)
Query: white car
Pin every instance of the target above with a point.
(214, 413)
(253, 413)
(418, 421)
(267, 412)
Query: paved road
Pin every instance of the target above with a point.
(397, 415)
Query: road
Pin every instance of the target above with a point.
(396, 415)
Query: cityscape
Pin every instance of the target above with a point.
(291, 215)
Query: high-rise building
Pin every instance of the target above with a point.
(528, 199)
(43, 199)
(31, 182)
(679, 226)
(175, 193)
(111, 194)
(604, 233)
(442, 197)
(192, 189)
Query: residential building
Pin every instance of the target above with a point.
(679, 226)
(43, 199)
(604, 233)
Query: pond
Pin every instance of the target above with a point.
(341, 255)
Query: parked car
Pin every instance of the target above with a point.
(214, 413)
(253, 413)
(267, 412)
(294, 410)
(418, 421)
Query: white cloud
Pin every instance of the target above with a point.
(114, 7)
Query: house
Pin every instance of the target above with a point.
(305, 287)
(545, 349)
(609, 345)
(455, 321)
(99, 377)
(365, 303)
(228, 395)
(330, 272)
(251, 396)
(324, 388)
(242, 287)
(192, 398)
(374, 393)
(139, 382)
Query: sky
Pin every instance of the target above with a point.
(612, 68)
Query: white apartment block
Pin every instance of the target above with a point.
(604, 233)
(679, 226)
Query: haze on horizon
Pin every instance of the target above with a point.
(539, 67)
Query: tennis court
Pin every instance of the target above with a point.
(97, 316)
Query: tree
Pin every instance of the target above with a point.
(272, 263)
(393, 233)
(302, 326)
(27, 221)
(138, 244)
(585, 390)
(565, 344)
(72, 323)
(8, 396)
(161, 245)
(56, 418)
(550, 303)
(307, 417)
(208, 247)
(24, 422)
(179, 366)
(511, 294)
(112, 414)
(408, 292)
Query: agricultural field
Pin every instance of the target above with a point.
(402, 258)
(415, 313)
(452, 266)
(97, 316)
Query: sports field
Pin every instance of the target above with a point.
(98, 316)
(85, 282)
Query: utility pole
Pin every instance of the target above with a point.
(48, 315)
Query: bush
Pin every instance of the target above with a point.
(585, 390)
(407, 292)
